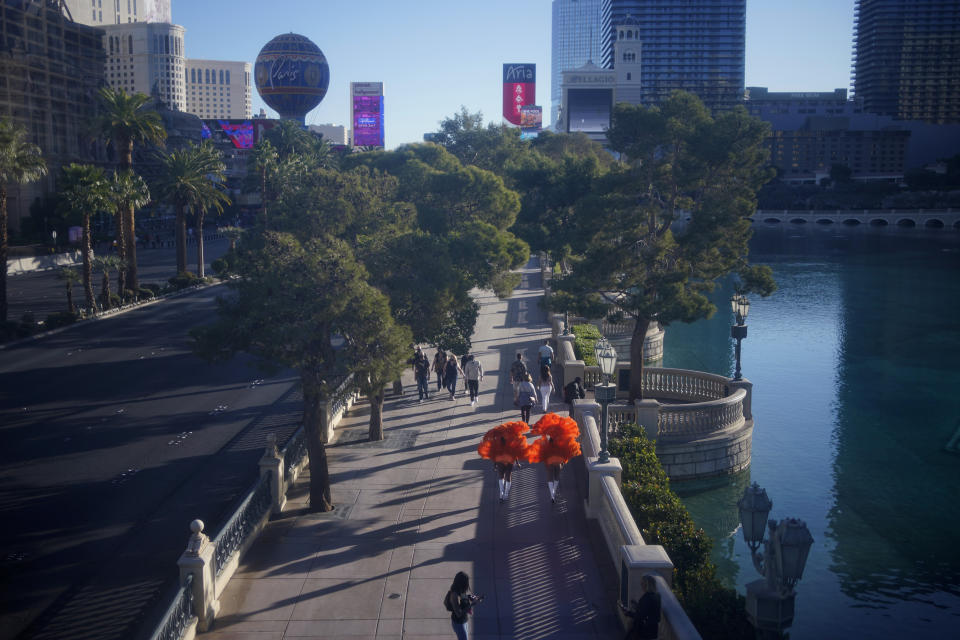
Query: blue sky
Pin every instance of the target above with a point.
(434, 56)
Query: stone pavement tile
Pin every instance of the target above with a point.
(279, 560)
(238, 624)
(429, 627)
(445, 561)
(362, 561)
(454, 525)
(328, 628)
(342, 495)
(368, 475)
(425, 600)
(395, 596)
(338, 599)
(246, 635)
(260, 598)
(380, 512)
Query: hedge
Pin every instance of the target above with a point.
(585, 336)
(717, 611)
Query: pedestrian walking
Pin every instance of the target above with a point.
(439, 361)
(526, 397)
(645, 613)
(459, 601)
(450, 373)
(556, 446)
(572, 391)
(473, 372)
(421, 372)
(505, 445)
(518, 373)
(546, 386)
(546, 354)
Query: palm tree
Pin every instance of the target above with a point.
(262, 161)
(126, 120)
(105, 264)
(192, 177)
(130, 192)
(232, 234)
(20, 162)
(70, 277)
(86, 190)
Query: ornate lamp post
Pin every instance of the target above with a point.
(606, 392)
(740, 306)
(770, 602)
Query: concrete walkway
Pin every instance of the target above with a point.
(417, 507)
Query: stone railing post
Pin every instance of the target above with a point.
(648, 417)
(597, 471)
(562, 351)
(747, 386)
(197, 560)
(637, 560)
(272, 464)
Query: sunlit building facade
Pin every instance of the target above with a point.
(577, 38)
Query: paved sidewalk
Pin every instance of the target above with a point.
(417, 507)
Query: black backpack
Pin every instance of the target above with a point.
(446, 602)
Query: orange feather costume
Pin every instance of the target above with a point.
(558, 443)
(505, 443)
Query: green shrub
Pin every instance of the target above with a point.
(585, 336)
(183, 280)
(717, 611)
(146, 292)
(60, 319)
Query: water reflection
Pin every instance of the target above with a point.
(854, 362)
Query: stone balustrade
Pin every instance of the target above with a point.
(701, 418)
(622, 537)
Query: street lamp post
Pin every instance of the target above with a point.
(604, 393)
(770, 602)
(740, 306)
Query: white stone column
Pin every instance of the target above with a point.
(596, 471)
(272, 463)
(637, 560)
(197, 560)
(648, 417)
(743, 383)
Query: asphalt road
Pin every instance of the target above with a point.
(42, 293)
(114, 437)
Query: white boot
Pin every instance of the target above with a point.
(506, 492)
(501, 482)
(551, 485)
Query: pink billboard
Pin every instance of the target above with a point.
(368, 121)
(519, 89)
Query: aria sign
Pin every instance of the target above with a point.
(519, 90)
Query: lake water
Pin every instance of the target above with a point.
(855, 362)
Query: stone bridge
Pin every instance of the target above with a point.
(910, 218)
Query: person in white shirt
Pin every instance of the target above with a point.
(546, 353)
(473, 372)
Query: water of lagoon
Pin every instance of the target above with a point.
(855, 362)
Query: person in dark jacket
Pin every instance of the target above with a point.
(573, 390)
(459, 602)
(646, 613)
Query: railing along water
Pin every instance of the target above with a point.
(179, 615)
(252, 511)
(700, 418)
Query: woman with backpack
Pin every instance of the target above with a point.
(526, 397)
(459, 602)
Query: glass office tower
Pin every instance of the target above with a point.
(577, 39)
(693, 45)
(906, 60)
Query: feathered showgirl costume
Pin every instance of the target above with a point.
(505, 443)
(558, 443)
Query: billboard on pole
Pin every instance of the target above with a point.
(366, 101)
(531, 121)
(519, 89)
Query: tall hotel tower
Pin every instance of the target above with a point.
(906, 60)
(577, 39)
(697, 46)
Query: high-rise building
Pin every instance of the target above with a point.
(577, 39)
(691, 45)
(147, 57)
(50, 70)
(218, 89)
(907, 59)
(98, 13)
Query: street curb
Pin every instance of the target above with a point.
(111, 313)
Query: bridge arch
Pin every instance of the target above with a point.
(824, 221)
(772, 220)
(798, 221)
(851, 222)
(934, 223)
(879, 222)
(906, 222)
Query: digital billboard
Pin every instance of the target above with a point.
(243, 134)
(368, 121)
(366, 100)
(519, 89)
(588, 110)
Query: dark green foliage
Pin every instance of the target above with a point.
(184, 279)
(585, 337)
(717, 611)
(147, 291)
(60, 319)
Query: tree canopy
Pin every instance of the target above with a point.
(670, 219)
